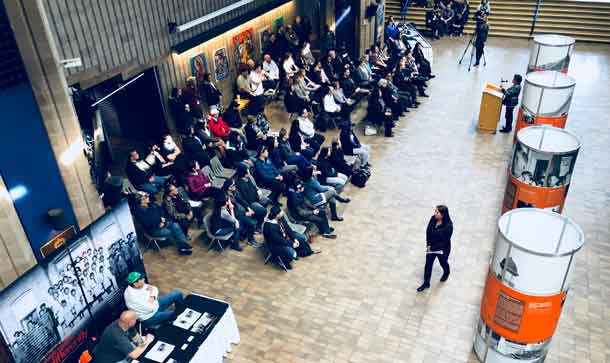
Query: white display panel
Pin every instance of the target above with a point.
(502, 350)
(548, 93)
(551, 52)
(539, 231)
(548, 139)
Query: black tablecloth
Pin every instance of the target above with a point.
(171, 334)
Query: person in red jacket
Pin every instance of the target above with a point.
(217, 125)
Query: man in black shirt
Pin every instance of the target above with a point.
(120, 342)
(482, 32)
(511, 100)
(141, 174)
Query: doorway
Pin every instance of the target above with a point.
(345, 25)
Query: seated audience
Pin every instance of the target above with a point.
(250, 193)
(307, 129)
(379, 113)
(243, 84)
(144, 300)
(120, 341)
(224, 221)
(423, 65)
(277, 158)
(352, 146)
(272, 70)
(212, 94)
(328, 174)
(350, 88)
(152, 218)
(249, 219)
(337, 158)
(283, 242)
(215, 145)
(298, 144)
(255, 137)
(267, 174)
(327, 39)
(178, 209)
(141, 174)
(446, 22)
(172, 153)
(289, 65)
(300, 159)
(307, 56)
(198, 184)
(301, 209)
(319, 195)
(305, 89)
(217, 125)
(232, 117)
(236, 151)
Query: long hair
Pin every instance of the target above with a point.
(294, 136)
(444, 211)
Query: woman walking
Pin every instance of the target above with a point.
(438, 244)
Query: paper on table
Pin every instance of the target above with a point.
(187, 319)
(202, 323)
(159, 352)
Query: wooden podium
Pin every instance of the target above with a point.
(491, 108)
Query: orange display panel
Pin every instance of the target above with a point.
(519, 194)
(556, 121)
(519, 317)
(535, 69)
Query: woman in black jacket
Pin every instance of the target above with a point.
(328, 173)
(337, 158)
(438, 244)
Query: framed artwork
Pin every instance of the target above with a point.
(264, 38)
(243, 46)
(221, 64)
(199, 66)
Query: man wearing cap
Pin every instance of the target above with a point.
(281, 241)
(145, 302)
(218, 127)
(120, 343)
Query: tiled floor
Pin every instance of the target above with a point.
(356, 302)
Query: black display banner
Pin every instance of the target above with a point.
(50, 313)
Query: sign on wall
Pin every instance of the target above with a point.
(243, 46)
(221, 64)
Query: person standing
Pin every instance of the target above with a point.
(438, 244)
(511, 100)
(481, 37)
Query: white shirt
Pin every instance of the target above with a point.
(256, 83)
(306, 127)
(139, 300)
(272, 69)
(289, 66)
(330, 105)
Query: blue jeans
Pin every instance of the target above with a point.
(154, 186)
(164, 314)
(172, 231)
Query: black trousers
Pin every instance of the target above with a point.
(508, 115)
(321, 221)
(442, 259)
(479, 52)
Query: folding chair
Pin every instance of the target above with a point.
(150, 241)
(219, 170)
(216, 181)
(214, 239)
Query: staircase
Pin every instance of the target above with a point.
(583, 20)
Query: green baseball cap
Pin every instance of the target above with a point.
(133, 277)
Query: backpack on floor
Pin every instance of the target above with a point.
(360, 177)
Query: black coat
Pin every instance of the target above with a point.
(326, 168)
(135, 175)
(274, 238)
(346, 141)
(438, 238)
(212, 94)
(337, 158)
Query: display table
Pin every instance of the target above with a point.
(208, 346)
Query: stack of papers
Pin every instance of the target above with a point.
(160, 351)
(187, 319)
(201, 324)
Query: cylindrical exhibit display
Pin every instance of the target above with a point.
(550, 52)
(526, 285)
(540, 168)
(546, 99)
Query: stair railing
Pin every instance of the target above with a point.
(535, 17)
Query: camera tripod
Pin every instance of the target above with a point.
(471, 44)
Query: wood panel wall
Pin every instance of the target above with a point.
(128, 36)
(175, 68)
(15, 251)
